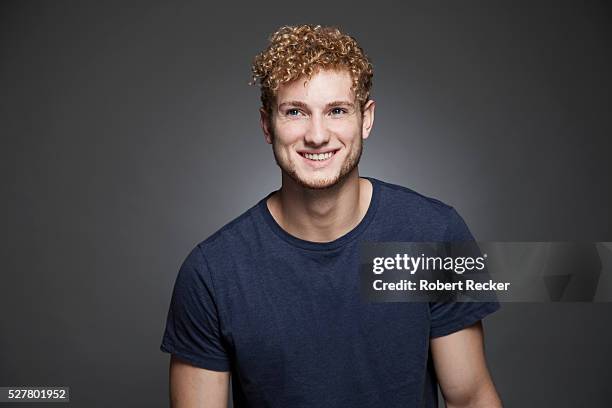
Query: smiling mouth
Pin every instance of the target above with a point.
(318, 156)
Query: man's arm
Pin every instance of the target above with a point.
(461, 368)
(194, 387)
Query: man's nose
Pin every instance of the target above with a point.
(317, 133)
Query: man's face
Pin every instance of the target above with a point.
(316, 129)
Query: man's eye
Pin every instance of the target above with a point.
(338, 111)
(292, 112)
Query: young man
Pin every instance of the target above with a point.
(273, 297)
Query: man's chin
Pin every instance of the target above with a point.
(317, 183)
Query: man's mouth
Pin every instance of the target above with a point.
(318, 156)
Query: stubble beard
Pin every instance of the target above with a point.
(350, 163)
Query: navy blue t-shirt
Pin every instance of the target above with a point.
(286, 316)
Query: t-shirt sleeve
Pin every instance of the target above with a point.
(193, 326)
(449, 317)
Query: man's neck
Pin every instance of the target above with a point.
(321, 215)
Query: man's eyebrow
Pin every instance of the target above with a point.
(341, 103)
(329, 105)
(294, 103)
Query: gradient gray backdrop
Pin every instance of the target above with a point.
(129, 134)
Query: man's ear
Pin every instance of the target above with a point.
(367, 118)
(265, 119)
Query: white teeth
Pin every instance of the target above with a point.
(320, 156)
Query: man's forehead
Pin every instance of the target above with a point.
(323, 87)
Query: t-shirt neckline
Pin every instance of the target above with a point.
(323, 246)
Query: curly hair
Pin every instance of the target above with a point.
(296, 51)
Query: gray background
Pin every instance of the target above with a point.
(129, 134)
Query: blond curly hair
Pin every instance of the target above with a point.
(296, 51)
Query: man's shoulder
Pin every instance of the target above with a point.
(404, 211)
(240, 230)
(404, 196)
